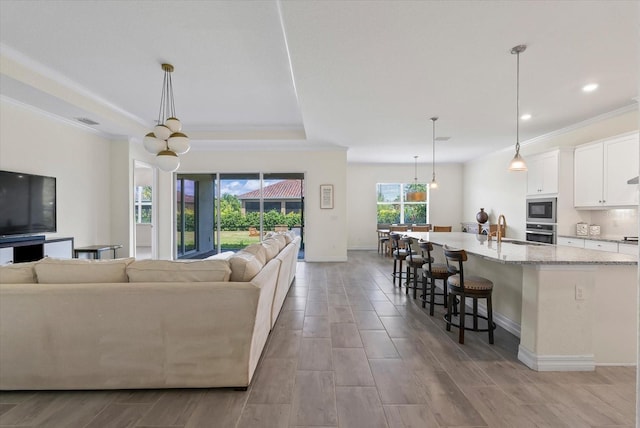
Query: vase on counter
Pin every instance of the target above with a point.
(482, 216)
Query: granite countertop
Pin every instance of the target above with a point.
(608, 238)
(509, 252)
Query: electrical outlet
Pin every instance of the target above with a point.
(579, 292)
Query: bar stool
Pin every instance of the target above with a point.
(399, 255)
(414, 262)
(430, 273)
(474, 287)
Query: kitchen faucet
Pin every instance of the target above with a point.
(502, 221)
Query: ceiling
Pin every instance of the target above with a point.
(364, 75)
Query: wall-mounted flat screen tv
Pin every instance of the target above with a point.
(27, 203)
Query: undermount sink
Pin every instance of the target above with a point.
(516, 242)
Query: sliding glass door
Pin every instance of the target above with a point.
(227, 212)
(186, 216)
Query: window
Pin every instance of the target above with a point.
(393, 206)
(142, 204)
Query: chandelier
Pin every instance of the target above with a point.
(167, 141)
(415, 195)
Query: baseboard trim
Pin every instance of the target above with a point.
(556, 363)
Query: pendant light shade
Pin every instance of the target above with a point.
(167, 140)
(434, 183)
(518, 163)
(153, 144)
(415, 195)
(167, 161)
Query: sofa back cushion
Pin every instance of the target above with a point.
(259, 251)
(18, 273)
(244, 266)
(179, 271)
(271, 248)
(81, 271)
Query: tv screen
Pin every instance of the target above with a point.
(27, 203)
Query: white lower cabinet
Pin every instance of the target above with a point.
(59, 249)
(571, 242)
(6, 255)
(601, 245)
(630, 249)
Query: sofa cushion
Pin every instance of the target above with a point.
(259, 251)
(225, 255)
(281, 239)
(244, 266)
(18, 273)
(288, 236)
(271, 248)
(179, 271)
(81, 271)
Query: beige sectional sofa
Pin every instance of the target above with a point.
(117, 324)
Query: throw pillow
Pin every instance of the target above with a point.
(179, 271)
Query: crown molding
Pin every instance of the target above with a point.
(14, 60)
(54, 117)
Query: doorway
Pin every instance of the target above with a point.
(144, 211)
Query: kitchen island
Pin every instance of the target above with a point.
(572, 308)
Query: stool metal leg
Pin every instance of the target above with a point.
(490, 318)
(463, 310)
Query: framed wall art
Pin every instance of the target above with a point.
(326, 196)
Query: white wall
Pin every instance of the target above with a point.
(445, 205)
(33, 142)
(488, 184)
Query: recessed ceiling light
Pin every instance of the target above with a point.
(525, 116)
(590, 87)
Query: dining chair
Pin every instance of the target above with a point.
(425, 228)
(442, 228)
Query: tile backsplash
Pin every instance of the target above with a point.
(619, 222)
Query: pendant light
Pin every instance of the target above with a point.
(518, 163)
(415, 195)
(434, 183)
(167, 141)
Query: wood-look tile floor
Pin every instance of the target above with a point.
(351, 350)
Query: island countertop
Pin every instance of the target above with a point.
(512, 251)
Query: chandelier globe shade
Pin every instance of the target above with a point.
(416, 195)
(178, 143)
(174, 124)
(518, 163)
(167, 161)
(167, 140)
(152, 144)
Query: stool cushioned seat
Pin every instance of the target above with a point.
(471, 282)
(437, 268)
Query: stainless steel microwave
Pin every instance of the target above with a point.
(541, 210)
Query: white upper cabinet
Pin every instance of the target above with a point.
(621, 164)
(542, 174)
(602, 170)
